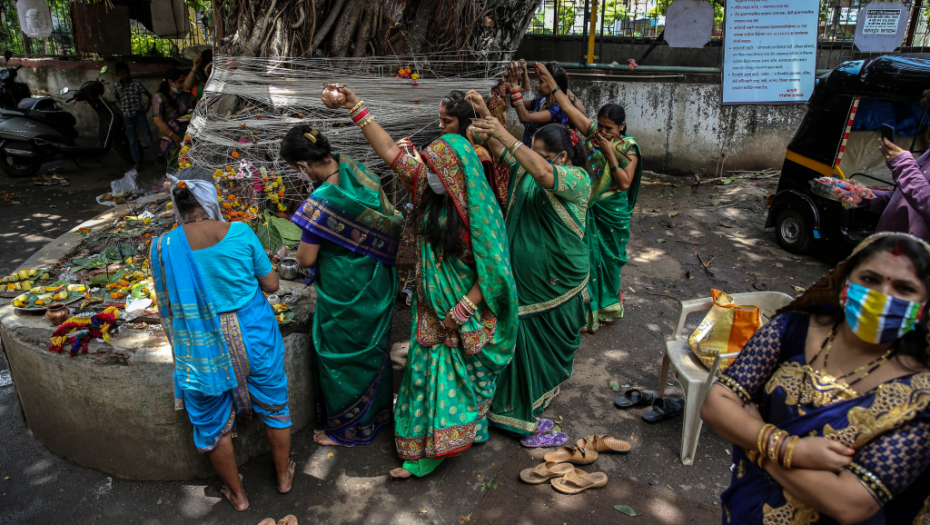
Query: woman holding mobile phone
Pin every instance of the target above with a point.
(907, 208)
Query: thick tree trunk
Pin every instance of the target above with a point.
(278, 28)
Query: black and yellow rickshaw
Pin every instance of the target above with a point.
(839, 138)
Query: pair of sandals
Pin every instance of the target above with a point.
(662, 408)
(543, 436)
(565, 478)
(50, 180)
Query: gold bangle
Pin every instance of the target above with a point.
(775, 444)
(513, 146)
(356, 107)
(368, 120)
(760, 439)
(469, 304)
(790, 451)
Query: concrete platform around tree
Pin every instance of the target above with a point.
(112, 409)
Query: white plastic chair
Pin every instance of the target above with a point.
(695, 379)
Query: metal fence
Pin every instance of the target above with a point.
(61, 43)
(637, 25)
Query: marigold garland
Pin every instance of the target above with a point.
(97, 327)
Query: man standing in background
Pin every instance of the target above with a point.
(130, 93)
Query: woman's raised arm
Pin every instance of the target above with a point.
(538, 167)
(576, 117)
(380, 141)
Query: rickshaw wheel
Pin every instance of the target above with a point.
(792, 232)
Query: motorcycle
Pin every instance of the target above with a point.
(40, 131)
(11, 91)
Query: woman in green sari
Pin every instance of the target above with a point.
(350, 238)
(464, 319)
(616, 170)
(545, 217)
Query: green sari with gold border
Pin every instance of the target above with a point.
(356, 285)
(609, 214)
(450, 376)
(546, 229)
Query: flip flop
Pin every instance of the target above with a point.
(574, 455)
(578, 481)
(543, 426)
(544, 472)
(604, 443)
(552, 439)
(635, 397)
(664, 409)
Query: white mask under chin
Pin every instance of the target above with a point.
(302, 175)
(435, 183)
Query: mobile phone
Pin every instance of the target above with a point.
(888, 132)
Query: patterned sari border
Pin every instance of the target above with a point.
(444, 442)
(362, 405)
(229, 427)
(315, 217)
(566, 217)
(534, 309)
(229, 322)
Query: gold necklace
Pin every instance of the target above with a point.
(198, 220)
(877, 362)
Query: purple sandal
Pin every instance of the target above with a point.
(543, 426)
(553, 439)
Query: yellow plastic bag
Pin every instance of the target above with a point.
(725, 329)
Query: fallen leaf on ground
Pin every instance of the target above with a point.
(330, 455)
(660, 240)
(798, 288)
(689, 276)
(725, 225)
(674, 213)
(670, 487)
(615, 386)
(779, 265)
(626, 509)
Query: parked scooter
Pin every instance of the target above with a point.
(11, 91)
(41, 131)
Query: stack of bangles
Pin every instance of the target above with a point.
(774, 445)
(360, 115)
(514, 147)
(515, 97)
(463, 311)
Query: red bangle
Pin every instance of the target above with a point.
(358, 117)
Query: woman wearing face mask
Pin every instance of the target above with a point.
(350, 238)
(616, 170)
(455, 114)
(543, 109)
(828, 405)
(545, 227)
(168, 105)
(464, 319)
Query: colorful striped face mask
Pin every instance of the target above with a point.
(875, 317)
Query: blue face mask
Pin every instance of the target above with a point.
(175, 90)
(875, 317)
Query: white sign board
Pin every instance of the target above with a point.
(35, 18)
(770, 51)
(880, 27)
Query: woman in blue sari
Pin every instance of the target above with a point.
(228, 351)
(828, 405)
(350, 238)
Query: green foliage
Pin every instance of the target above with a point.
(567, 13)
(613, 12)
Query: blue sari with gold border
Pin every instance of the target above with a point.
(889, 427)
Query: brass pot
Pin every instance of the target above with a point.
(477, 135)
(57, 313)
(331, 96)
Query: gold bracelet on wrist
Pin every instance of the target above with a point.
(471, 306)
(792, 441)
(760, 440)
(356, 107)
(368, 120)
(775, 444)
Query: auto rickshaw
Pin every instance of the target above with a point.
(839, 138)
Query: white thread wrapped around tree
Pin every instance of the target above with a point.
(249, 104)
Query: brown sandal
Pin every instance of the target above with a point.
(574, 455)
(578, 481)
(604, 443)
(544, 472)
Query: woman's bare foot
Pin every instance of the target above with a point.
(286, 482)
(400, 473)
(239, 501)
(290, 519)
(320, 437)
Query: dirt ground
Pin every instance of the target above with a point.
(673, 222)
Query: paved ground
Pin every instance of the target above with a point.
(336, 486)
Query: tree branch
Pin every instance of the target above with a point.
(327, 25)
